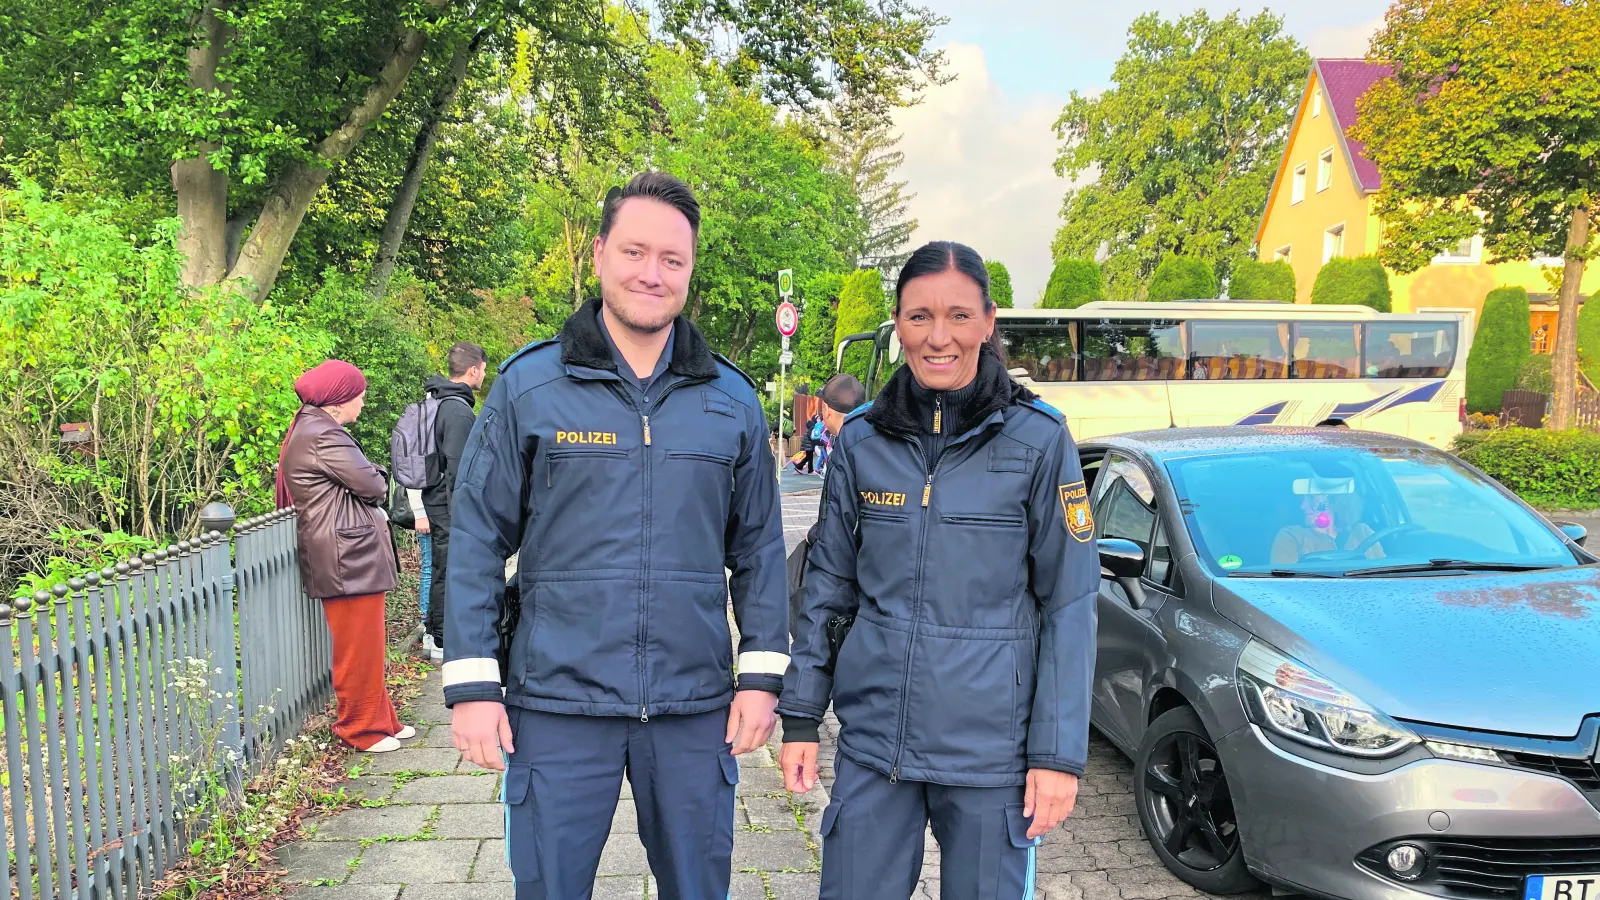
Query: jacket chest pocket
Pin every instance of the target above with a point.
(998, 543)
(583, 464)
(706, 457)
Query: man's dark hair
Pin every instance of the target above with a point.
(657, 186)
(464, 356)
(844, 392)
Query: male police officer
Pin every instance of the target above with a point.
(630, 465)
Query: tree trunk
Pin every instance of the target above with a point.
(398, 218)
(698, 307)
(261, 257)
(1564, 367)
(742, 339)
(201, 190)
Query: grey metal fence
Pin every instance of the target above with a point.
(112, 682)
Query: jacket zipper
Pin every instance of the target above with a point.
(916, 612)
(644, 581)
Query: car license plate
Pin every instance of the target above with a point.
(1562, 887)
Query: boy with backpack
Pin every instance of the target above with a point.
(425, 448)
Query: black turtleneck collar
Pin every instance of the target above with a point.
(906, 408)
(584, 344)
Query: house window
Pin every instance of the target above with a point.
(1467, 251)
(1316, 102)
(1281, 254)
(1299, 184)
(1325, 170)
(1333, 242)
(1550, 262)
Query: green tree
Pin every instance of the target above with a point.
(863, 306)
(813, 353)
(1499, 348)
(1489, 126)
(1073, 282)
(1358, 281)
(1589, 340)
(865, 150)
(999, 283)
(1254, 280)
(1183, 146)
(1182, 278)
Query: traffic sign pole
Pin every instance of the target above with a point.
(788, 320)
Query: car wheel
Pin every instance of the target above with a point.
(1185, 807)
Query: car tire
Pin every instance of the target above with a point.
(1169, 799)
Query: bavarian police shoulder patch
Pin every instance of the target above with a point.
(1075, 506)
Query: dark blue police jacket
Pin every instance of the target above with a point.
(625, 519)
(971, 658)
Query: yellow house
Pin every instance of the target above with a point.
(1321, 201)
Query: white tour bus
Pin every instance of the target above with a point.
(1120, 367)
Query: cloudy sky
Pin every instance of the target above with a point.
(980, 151)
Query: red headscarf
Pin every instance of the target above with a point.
(330, 384)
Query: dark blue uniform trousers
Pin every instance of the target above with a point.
(872, 838)
(560, 793)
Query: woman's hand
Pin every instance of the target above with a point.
(1050, 798)
(799, 762)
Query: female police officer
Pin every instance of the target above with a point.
(956, 532)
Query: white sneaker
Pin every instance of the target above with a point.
(427, 643)
(384, 746)
(406, 734)
(437, 654)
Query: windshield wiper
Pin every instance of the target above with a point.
(1446, 565)
(1283, 573)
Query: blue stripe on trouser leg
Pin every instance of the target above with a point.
(1033, 869)
(684, 778)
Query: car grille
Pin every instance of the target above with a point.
(1491, 868)
(1582, 772)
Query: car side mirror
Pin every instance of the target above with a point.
(1125, 561)
(1574, 532)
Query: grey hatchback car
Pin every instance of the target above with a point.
(1348, 665)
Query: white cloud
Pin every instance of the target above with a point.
(981, 164)
(1343, 41)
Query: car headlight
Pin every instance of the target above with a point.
(1289, 698)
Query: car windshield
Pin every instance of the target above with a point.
(1341, 510)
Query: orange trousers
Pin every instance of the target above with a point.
(365, 714)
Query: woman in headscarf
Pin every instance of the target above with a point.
(346, 554)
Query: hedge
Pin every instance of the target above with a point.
(999, 284)
(1354, 281)
(1535, 374)
(1183, 278)
(863, 306)
(1589, 339)
(1499, 348)
(1073, 282)
(1253, 280)
(1553, 469)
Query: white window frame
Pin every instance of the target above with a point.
(1333, 232)
(1550, 262)
(1297, 192)
(1325, 170)
(1316, 102)
(1473, 257)
(1282, 253)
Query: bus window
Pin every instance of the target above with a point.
(1118, 350)
(1222, 349)
(1046, 350)
(1327, 351)
(1410, 350)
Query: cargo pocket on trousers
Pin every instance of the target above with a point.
(1014, 872)
(722, 833)
(522, 832)
(836, 850)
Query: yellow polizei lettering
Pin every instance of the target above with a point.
(882, 498)
(586, 437)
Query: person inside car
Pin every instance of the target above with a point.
(1328, 522)
(956, 530)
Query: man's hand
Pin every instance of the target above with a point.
(480, 729)
(751, 720)
(799, 762)
(422, 525)
(1050, 798)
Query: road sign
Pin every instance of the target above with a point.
(785, 358)
(786, 283)
(788, 318)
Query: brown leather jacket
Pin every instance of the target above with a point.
(345, 545)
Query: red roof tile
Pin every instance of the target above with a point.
(1346, 80)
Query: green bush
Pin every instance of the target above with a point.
(1559, 469)
(1499, 348)
(813, 344)
(1589, 339)
(1073, 282)
(1535, 374)
(999, 284)
(1355, 281)
(863, 306)
(1254, 280)
(1183, 278)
